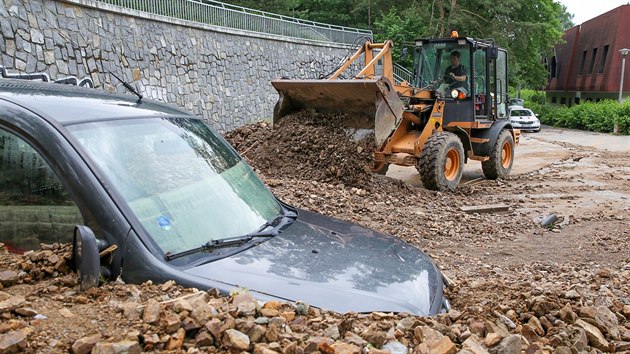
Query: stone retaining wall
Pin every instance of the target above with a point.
(222, 75)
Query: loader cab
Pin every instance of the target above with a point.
(482, 96)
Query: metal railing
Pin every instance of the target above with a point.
(402, 74)
(237, 17)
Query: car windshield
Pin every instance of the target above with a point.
(182, 181)
(521, 113)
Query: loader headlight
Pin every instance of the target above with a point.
(459, 93)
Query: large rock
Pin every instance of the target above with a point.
(604, 319)
(201, 309)
(541, 305)
(472, 346)
(594, 335)
(395, 347)
(151, 313)
(374, 336)
(8, 278)
(497, 327)
(176, 341)
(11, 303)
(14, 341)
(345, 348)
(235, 340)
(313, 344)
(84, 345)
(567, 314)
(124, 347)
(509, 345)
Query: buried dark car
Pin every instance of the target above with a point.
(163, 197)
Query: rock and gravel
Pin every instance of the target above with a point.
(517, 287)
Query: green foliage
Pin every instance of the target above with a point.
(400, 28)
(592, 116)
(527, 28)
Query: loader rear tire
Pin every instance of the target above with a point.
(501, 157)
(442, 162)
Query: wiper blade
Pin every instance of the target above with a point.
(221, 243)
(262, 232)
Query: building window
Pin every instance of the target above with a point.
(553, 99)
(563, 100)
(553, 66)
(576, 100)
(583, 62)
(590, 69)
(603, 61)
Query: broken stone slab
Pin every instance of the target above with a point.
(542, 305)
(567, 314)
(177, 340)
(604, 319)
(594, 335)
(498, 328)
(395, 347)
(86, 344)
(25, 311)
(492, 339)
(151, 313)
(235, 340)
(346, 348)
(8, 278)
(313, 344)
(509, 345)
(374, 336)
(131, 310)
(12, 303)
(261, 348)
(123, 347)
(14, 341)
(472, 346)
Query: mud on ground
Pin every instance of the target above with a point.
(517, 286)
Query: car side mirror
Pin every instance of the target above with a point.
(85, 257)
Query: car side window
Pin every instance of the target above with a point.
(35, 207)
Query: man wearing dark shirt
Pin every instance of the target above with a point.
(455, 75)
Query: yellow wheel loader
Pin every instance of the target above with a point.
(452, 108)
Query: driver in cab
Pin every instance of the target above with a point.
(455, 75)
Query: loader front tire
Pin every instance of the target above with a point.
(501, 157)
(442, 162)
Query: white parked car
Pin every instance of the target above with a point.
(524, 119)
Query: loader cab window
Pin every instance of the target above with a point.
(436, 61)
(502, 84)
(480, 81)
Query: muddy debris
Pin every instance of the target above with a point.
(309, 146)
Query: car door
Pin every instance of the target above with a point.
(46, 188)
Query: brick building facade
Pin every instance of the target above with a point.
(587, 66)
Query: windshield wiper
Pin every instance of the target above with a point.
(238, 240)
(221, 243)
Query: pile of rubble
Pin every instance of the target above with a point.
(533, 315)
(306, 146)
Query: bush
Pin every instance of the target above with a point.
(598, 117)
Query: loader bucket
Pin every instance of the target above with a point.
(369, 104)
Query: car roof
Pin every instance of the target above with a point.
(70, 104)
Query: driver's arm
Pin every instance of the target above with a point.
(458, 78)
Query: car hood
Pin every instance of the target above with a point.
(335, 265)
